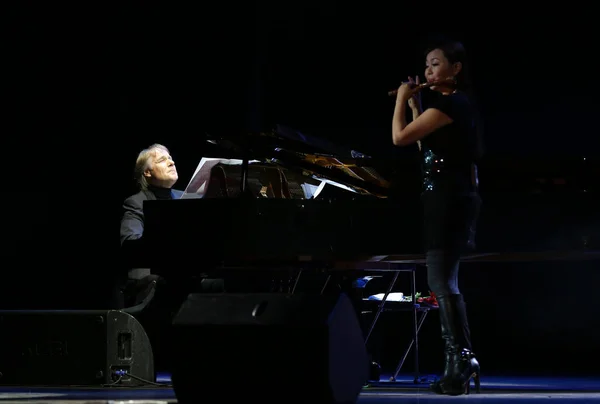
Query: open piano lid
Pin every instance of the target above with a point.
(318, 157)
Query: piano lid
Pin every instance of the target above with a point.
(311, 155)
(285, 138)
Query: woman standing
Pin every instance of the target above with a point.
(448, 136)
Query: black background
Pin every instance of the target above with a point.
(86, 89)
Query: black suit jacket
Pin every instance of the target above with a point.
(132, 227)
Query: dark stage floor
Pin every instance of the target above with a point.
(495, 389)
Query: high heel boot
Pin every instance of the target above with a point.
(460, 362)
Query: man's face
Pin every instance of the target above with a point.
(161, 172)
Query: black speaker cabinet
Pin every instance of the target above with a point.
(79, 347)
(269, 348)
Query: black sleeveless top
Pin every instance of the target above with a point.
(449, 177)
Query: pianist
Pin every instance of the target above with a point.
(155, 173)
(449, 142)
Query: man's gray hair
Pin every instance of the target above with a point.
(143, 163)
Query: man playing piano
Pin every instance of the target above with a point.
(155, 174)
(448, 137)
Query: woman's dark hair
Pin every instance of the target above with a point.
(455, 52)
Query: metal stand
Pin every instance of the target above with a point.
(417, 321)
(244, 178)
(415, 308)
(413, 342)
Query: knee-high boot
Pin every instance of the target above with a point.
(460, 362)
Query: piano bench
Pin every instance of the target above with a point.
(140, 297)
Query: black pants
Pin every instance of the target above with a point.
(449, 229)
(442, 271)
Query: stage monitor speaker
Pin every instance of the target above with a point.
(268, 348)
(72, 347)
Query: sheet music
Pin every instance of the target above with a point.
(325, 182)
(309, 190)
(197, 186)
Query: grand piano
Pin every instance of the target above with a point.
(296, 199)
(299, 202)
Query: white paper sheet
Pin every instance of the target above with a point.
(197, 186)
